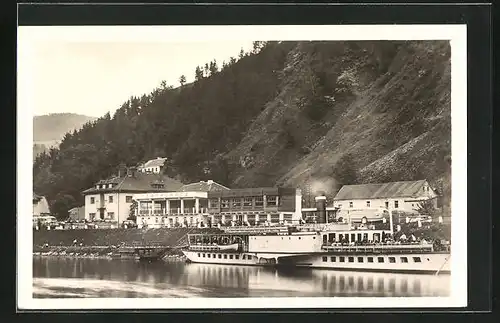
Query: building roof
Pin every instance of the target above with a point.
(154, 162)
(79, 208)
(139, 182)
(242, 192)
(381, 190)
(201, 186)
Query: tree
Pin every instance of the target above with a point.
(426, 207)
(198, 73)
(213, 67)
(131, 213)
(345, 171)
(242, 53)
(232, 60)
(182, 80)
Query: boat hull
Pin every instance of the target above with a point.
(401, 262)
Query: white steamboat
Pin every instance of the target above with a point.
(325, 245)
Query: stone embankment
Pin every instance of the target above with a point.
(106, 243)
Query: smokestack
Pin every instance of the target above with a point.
(321, 208)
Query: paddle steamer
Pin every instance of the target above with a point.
(321, 245)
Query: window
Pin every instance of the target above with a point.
(386, 205)
(91, 216)
(380, 259)
(204, 255)
(237, 257)
(360, 259)
(396, 204)
(92, 200)
(404, 259)
(225, 256)
(213, 203)
(351, 259)
(325, 259)
(342, 259)
(199, 255)
(230, 256)
(128, 199)
(111, 215)
(243, 257)
(236, 203)
(370, 259)
(367, 203)
(259, 201)
(213, 256)
(110, 185)
(392, 259)
(208, 255)
(224, 203)
(110, 199)
(272, 200)
(247, 202)
(350, 204)
(333, 259)
(417, 259)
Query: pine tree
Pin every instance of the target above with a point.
(198, 73)
(207, 69)
(242, 53)
(182, 80)
(213, 67)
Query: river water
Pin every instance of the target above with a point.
(70, 277)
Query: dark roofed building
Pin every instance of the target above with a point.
(403, 195)
(153, 166)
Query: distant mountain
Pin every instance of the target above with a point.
(50, 129)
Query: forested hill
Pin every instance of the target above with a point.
(290, 113)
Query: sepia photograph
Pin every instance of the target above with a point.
(242, 166)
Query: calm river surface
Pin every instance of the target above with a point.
(69, 277)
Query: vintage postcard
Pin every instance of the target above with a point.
(242, 167)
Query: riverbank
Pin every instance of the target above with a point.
(104, 252)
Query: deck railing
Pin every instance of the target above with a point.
(380, 248)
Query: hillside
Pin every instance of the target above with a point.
(51, 128)
(310, 114)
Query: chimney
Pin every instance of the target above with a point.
(131, 172)
(321, 208)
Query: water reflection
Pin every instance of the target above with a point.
(66, 277)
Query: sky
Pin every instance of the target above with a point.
(92, 78)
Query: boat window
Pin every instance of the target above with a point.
(380, 259)
(392, 259)
(213, 255)
(225, 256)
(230, 256)
(225, 203)
(199, 255)
(360, 259)
(351, 259)
(404, 259)
(243, 257)
(333, 259)
(219, 256)
(259, 201)
(203, 255)
(237, 257)
(370, 259)
(342, 259)
(325, 259)
(300, 238)
(208, 255)
(417, 259)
